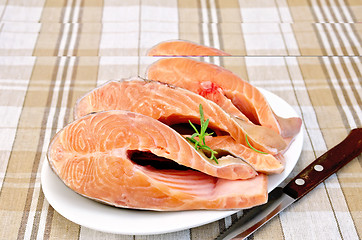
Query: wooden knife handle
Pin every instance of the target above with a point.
(327, 164)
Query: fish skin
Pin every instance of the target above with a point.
(192, 74)
(183, 48)
(170, 105)
(91, 156)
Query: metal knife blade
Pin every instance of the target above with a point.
(310, 177)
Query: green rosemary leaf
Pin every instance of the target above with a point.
(204, 126)
(193, 126)
(256, 150)
(213, 157)
(201, 114)
(205, 147)
(201, 142)
(197, 145)
(191, 139)
(194, 135)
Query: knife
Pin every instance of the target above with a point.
(311, 176)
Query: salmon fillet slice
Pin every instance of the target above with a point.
(217, 84)
(93, 157)
(183, 48)
(171, 105)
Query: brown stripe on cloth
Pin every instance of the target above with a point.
(353, 61)
(205, 27)
(188, 21)
(83, 76)
(345, 33)
(78, 74)
(200, 22)
(41, 197)
(36, 145)
(306, 38)
(350, 84)
(340, 5)
(47, 38)
(331, 70)
(229, 27)
(212, 22)
(237, 65)
(16, 153)
(348, 30)
(229, 11)
(30, 162)
(346, 97)
(327, 117)
(300, 11)
(305, 31)
(228, 30)
(3, 10)
(70, 98)
(71, 32)
(208, 21)
(62, 70)
(339, 39)
(343, 99)
(323, 26)
(70, 104)
(354, 8)
(208, 231)
(329, 41)
(38, 75)
(354, 30)
(89, 38)
(188, 12)
(350, 180)
(56, 71)
(232, 38)
(335, 30)
(90, 29)
(38, 212)
(219, 29)
(331, 85)
(345, 105)
(316, 31)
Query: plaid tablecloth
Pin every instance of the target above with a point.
(51, 52)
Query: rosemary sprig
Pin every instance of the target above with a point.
(200, 143)
(256, 150)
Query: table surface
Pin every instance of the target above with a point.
(52, 52)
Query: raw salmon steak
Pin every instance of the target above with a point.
(119, 158)
(229, 91)
(173, 105)
(153, 99)
(183, 48)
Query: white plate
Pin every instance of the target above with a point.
(105, 218)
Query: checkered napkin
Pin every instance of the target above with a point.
(52, 52)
